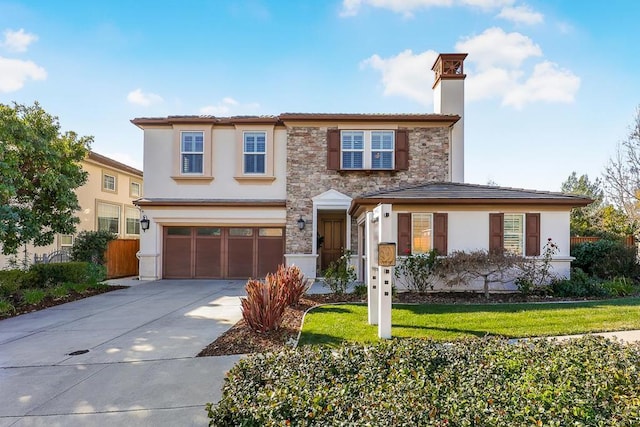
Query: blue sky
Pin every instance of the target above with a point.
(552, 86)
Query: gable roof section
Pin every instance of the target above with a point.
(106, 161)
(451, 193)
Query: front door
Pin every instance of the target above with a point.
(332, 230)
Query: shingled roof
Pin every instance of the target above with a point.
(452, 193)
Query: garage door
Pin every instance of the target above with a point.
(221, 252)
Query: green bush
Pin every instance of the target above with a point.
(606, 259)
(417, 271)
(482, 382)
(90, 246)
(59, 291)
(6, 307)
(48, 275)
(77, 287)
(33, 296)
(620, 287)
(360, 290)
(340, 273)
(579, 285)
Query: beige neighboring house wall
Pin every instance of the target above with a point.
(111, 187)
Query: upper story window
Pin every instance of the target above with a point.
(254, 152)
(108, 182)
(191, 152)
(367, 149)
(134, 189)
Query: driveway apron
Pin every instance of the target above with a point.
(121, 358)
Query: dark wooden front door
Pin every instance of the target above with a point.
(332, 228)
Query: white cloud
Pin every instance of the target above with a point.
(406, 74)
(407, 7)
(548, 83)
(15, 72)
(18, 41)
(494, 47)
(521, 15)
(226, 106)
(138, 97)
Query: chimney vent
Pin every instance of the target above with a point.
(449, 66)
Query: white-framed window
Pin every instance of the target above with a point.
(421, 232)
(108, 217)
(132, 221)
(135, 189)
(66, 240)
(108, 182)
(254, 152)
(191, 152)
(367, 149)
(514, 233)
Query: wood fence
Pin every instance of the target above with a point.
(121, 258)
(628, 241)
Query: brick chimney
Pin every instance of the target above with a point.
(448, 98)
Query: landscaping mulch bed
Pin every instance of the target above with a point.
(240, 339)
(51, 302)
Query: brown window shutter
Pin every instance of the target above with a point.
(333, 149)
(402, 150)
(532, 237)
(404, 233)
(496, 232)
(440, 231)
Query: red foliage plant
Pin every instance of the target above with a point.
(264, 305)
(292, 282)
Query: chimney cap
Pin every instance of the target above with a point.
(449, 66)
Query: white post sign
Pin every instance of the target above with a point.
(379, 229)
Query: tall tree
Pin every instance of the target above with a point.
(622, 174)
(39, 171)
(585, 221)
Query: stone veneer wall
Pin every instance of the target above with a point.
(307, 175)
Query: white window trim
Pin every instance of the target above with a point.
(115, 182)
(126, 217)
(367, 150)
(131, 185)
(430, 214)
(244, 152)
(98, 215)
(201, 153)
(522, 236)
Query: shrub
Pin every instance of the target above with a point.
(6, 307)
(79, 288)
(12, 280)
(264, 305)
(292, 282)
(620, 287)
(579, 285)
(537, 273)
(59, 291)
(606, 259)
(47, 275)
(90, 246)
(340, 273)
(360, 290)
(33, 296)
(417, 271)
(482, 382)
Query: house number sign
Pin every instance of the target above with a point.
(386, 254)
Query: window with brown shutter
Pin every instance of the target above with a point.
(496, 232)
(404, 233)
(532, 238)
(440, 233)
(333, 149)
(402, 150)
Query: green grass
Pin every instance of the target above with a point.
(333, 324)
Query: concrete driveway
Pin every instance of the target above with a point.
(140, 367)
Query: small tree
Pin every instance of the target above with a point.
(417, 271)
(90, 246)
(491, 267)
(340, 273)
(40, 170)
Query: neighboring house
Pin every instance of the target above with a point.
(106, 203)
(233, 197)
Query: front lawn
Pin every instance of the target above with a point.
(334, 324)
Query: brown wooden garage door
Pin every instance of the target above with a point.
(221, 252)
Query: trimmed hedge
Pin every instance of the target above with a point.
(484, 382)
(606, 259)
(49, 275)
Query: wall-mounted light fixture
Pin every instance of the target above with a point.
(144, 223)
(301, 223)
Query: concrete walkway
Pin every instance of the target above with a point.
(140, 367)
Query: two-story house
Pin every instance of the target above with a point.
(106, 203)
(234, 197)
